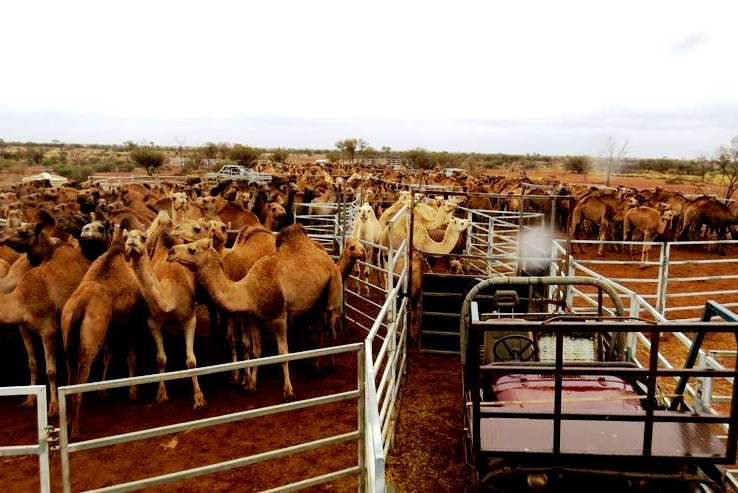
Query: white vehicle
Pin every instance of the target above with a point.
(238, 172)
(54, 180)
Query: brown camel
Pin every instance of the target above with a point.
(710, 213)
(353, 251)
(108, 297)
(648, 222)
(169, 292)
(37, 300)
(289, 282)
(601, 207)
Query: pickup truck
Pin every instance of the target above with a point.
(238, 172)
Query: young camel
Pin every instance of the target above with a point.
(647, 221)
(289, 282)
(37, 300)
(169, 292)
(108, 296)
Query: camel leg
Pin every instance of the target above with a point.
(199, 403)
(604, 227)
(231, 320)
(161, 360)
(133, 393)
(48, 338)
(32, 364)
(279, 328)
(252, 340)
(107, 360)
(92, 334)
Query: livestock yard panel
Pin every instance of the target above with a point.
(678, 279)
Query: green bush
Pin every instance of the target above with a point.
(578, 164)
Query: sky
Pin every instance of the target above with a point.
(516, 77)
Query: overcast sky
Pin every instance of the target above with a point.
(552, 77)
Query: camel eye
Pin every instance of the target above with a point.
(191, 250)
(197, 229)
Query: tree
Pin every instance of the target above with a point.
(210, 150)
(578, 164)
(34, 155)
(727, 166)
(350, 146)
(280, 155)
(419, 158)
(615, 153)
(149, 159)
(244, 155)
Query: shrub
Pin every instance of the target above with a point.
(578, 164)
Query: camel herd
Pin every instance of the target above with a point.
(86, 262)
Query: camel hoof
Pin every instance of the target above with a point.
(53, 411)
(133, 394)
(30, 402)
(200, 406)
(161, 398)
(288, 397)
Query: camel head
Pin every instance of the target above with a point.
(456, 267)
(354, 249)
(179, 201)
(96, 231)
(134, 244)
(448, 206)
(189, 231)
(458, 224)
(192, 255)
(276, 211)
(218, 233)
(366, 212)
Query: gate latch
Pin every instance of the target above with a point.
(52, 438)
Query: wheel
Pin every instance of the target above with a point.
(517, 347)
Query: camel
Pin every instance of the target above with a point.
(38, 298)
(289, 282)
(353, 251)
(169, 292)
(108, 297)
(368, 230)
(599, 207)
(252, 243)
(423, 242)
(708, 212)
(650, 223)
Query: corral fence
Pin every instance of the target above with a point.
(110, 182)
(677, 285)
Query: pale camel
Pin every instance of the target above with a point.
(108, 297)
(169, 292)
(423, 242)
(38, 298)
(649, 223)
(368, 230)
(289, 282)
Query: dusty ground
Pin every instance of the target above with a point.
(427, 455)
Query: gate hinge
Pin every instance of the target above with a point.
(52, 438)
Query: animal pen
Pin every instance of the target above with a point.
(497, 243)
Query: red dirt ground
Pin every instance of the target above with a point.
(427, 455)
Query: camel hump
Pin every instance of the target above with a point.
(291, 234)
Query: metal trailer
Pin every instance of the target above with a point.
(556, 400)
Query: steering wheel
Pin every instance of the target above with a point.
(518, 347)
